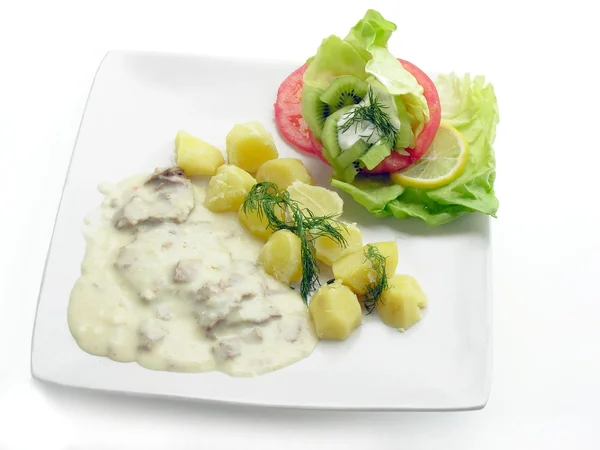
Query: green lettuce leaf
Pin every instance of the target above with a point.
(334, 58)
(374, 193)
(372, 29)
(470, 106)
(476, 118)
(363, 52)
(399, 82)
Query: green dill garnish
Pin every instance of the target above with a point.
(372, 111)
(376, 288)
(266, 199)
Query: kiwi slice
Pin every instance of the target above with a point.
(344, 91)
(329, 135)
(349, 156)
(314, 111)
(377, 153)
(349, 173)
(349, 162)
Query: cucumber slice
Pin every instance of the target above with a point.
(376, 154)
(349, 156)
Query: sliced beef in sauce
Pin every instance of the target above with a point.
(163, 311)
(186, 270)
(252, 335)
(255, 311)
(171, 175)
(210, 318)
(209, 291)
(291, 330)
(227, 349)
(151, 332)
(166, 196)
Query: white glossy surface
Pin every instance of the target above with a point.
(545, 391)
(137, 104)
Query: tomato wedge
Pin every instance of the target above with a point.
(288, 113)
(292, 126)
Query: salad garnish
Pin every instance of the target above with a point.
(336, 84)
(372, 111)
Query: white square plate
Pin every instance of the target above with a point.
(137, 103)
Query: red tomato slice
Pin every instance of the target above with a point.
(288, 113)
(397, 161)
(294, 129)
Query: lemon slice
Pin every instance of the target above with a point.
(321, 201)
(444, 161)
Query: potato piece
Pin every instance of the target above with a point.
(409, 287)
(355, 271)
(281, 257)
(329, 251)
(249, 145)
(283, 172)
(257, 226)
(399, 306)
(335, 311)
(196, 157)
(228, 188)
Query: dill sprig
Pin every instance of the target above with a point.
(266, 199)
(380, 284)
(372, 111)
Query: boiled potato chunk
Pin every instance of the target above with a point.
(400, 305)
(335, 311)
(281, 257)
(329, 251)
(409, 287)
(196, 157)
(355, 271)
(249, 145)
(256, 225)
(283, 172)
(228, 188)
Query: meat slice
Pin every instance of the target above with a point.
(186, 270)
(252, 335)
(166, 196)
(256, 311)
(170, 175)
(163, 311)
(151, 332)
(291, 329)
(210, 318)
(209, 291)
(227, 349)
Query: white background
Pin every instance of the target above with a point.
(542, 59)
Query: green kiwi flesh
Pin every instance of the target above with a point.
(377, 153)
(344, 91)
(314, 111)
(329, 135)
(349, 173)
(349, 156)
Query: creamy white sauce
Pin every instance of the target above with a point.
(173, 286)
(364, 129)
